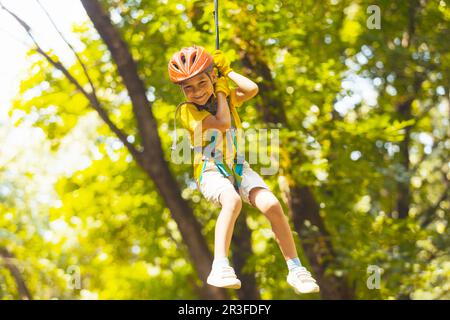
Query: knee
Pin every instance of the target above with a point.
(272, 207)
(235, 203)
(232, 202)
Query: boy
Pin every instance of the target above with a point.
(225, 178)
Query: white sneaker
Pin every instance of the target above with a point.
(223, 277)
(302, 281)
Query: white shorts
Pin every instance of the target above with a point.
(214, 183)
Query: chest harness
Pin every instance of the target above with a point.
(235, 171)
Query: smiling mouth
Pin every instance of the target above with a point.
(201, 97)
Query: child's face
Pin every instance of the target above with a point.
(199, 88)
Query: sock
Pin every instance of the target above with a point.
(220, 262)
(293, 263)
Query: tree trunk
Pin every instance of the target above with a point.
(242, 250)
(404, 192)
(302, 204)
(405, 113)
(22, 289)
(316, 242)
(272, 110)
(153, 161)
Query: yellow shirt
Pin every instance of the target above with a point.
(191, 119)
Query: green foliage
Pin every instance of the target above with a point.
(110, 221)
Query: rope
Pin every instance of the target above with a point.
(216, 19)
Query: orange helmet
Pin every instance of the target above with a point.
(189, 62)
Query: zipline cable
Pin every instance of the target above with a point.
(216, 19)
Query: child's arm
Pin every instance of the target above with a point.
(222, 119)
(246, 89)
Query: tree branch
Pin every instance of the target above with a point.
(8, 259)
(92, 98)
(127, 69)
(71, 48)
(426, 155)
(428, 214)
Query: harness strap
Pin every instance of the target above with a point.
(235, 171)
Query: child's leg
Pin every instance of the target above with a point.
(219, 190)
(231, 207)
(269, 205)
(299, 278)
(222, 274)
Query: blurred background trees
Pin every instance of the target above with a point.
(363, 117)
